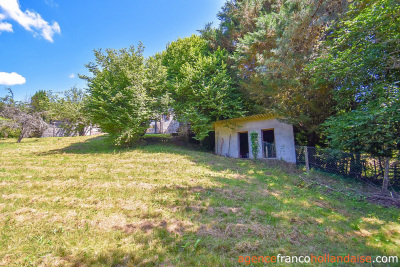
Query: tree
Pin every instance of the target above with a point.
(361, 59)
(69, 108)
(237, 18)
(361, 56)
(199, 85)
(156, 85)
(40, 101)
(118, 99)
(14, 116)
(372, 128)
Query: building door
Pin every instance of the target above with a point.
(269, 143)
(244, 145)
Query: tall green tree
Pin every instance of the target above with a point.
(118, 101)
(125, 91)
(69, 108)
(156, 85)
(361, 58)
(199, 85)
(40, 101)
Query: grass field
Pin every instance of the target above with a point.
(76, 201)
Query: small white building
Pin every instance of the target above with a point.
(276, 138)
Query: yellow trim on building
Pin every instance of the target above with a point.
(248, 118)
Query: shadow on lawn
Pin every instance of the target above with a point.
(101, 145)
(261, 211)
(95, 145)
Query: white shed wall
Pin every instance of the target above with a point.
(227, 138)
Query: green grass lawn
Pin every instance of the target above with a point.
(77, 201)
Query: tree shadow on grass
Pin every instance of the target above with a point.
(95, 145)
(102, 145)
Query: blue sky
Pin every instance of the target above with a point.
(45, 43)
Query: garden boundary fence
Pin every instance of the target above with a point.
(356, 166)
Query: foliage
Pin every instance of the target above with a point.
(373, 127)
(69, 108)
(237, 18)
(199, 85)
(255, 144)
(18, 120)
(6, 131)
(40, 101)
(8, 99)
(361, 59)
(156, 84)
(118, 100)
(361, 56)
(182, 52)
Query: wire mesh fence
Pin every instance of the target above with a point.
(357, 166)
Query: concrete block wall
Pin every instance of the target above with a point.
(227, 138)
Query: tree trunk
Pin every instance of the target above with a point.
(20, 138)
(81, 130)
(386, 175)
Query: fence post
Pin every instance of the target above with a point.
(386, 174)
(306, 157)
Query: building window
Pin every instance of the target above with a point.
(269, 148)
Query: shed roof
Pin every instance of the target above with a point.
(264, 116)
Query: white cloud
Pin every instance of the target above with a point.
(11, 78)
(71, 76)
(5, 27)
(30, 20)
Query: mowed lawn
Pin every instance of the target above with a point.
(76, 201)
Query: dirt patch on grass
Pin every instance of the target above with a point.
(225, 210)
(238, 176)
(237, 230)
(172, 226)
(189, 189)
(13, 196)
(247, 246)
(133, 205)
(231, 194)
(217, 210)
(321, 204)
(26, 214)
(257, 214)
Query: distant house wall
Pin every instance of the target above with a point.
(227, 137)
(166, 125)
(55, 130)
(92, 130)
